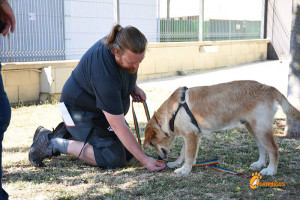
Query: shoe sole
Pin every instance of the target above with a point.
(36, 163)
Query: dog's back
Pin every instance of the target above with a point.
(219, 107)
(236, 101)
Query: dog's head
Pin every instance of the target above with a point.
(157, 138)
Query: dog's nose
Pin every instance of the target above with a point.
(160, 158)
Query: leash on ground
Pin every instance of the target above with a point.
(213, 163)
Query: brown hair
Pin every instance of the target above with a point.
(128, 37)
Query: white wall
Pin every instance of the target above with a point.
(88, 21)
(142, 14)
(85, 23)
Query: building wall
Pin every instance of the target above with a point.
(38, 34)
(278, 28)
(141, 14)
(65, 29)
(35, 81)
(85, 22)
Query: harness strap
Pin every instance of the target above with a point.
(188, 111)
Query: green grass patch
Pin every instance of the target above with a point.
(66, 178)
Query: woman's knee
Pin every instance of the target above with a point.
(113, 159)
(110, 158)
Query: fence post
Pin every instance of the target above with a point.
(201, 20)
(158, 22)
(263, 18)
(116, 7)
(168, 21)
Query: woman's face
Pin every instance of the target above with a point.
(128, 60)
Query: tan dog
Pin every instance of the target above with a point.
(214, 108)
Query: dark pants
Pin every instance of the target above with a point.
(108, 149)
(5, 114)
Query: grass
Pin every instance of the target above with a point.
(65, 177)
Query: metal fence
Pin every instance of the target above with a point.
(231, 30)
(39, 33)
(65, 29)
(206, 20)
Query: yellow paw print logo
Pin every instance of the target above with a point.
(254, 181)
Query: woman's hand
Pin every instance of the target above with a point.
(7, 17)
(152, 165)
(138, 95)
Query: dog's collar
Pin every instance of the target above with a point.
(186, 107)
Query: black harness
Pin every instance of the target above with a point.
(188, 111)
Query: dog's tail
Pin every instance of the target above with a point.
(287, 108)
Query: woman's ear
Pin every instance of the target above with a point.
(116, 53)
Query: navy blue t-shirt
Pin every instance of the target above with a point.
(98, 82)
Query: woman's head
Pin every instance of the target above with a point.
(128, 45)
(129, 38)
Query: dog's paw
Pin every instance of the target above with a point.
(183, 170)
(268, 171)
(256, 166)
(173, 164)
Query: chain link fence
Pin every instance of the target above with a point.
(65, 29)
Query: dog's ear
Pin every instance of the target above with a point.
(149, 135)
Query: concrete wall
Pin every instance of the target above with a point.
(166, 59)
(278, 28)
(35, 81)
(27, 82)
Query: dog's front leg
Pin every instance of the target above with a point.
(179, 160)
(191, 148)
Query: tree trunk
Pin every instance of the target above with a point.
(292, 128)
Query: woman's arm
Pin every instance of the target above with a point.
(117, 122)
(138, 95)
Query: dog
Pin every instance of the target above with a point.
(201, 110)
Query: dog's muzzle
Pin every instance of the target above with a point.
(164, 154)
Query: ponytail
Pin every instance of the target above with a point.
(112, 35)
(128, 37)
